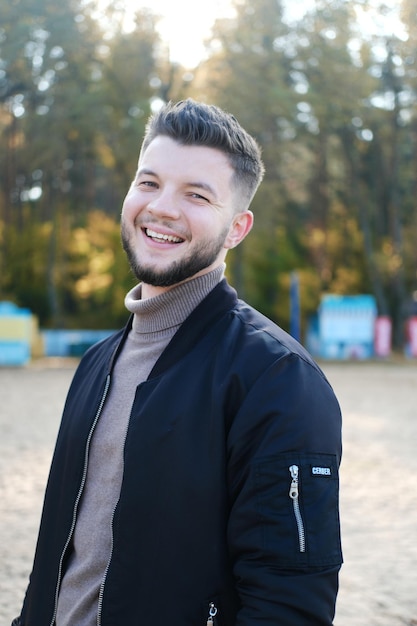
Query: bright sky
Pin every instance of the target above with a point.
(184, 24)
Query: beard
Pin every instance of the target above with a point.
(203, 255)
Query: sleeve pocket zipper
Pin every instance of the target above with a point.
(211, 620)
(294, 495)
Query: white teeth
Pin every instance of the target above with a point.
(154, 235)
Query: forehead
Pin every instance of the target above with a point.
(164, 153)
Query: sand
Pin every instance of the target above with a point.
(378, 582)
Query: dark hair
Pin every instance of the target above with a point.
(195, 123)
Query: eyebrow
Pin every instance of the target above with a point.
(145, 171)
(204, 187)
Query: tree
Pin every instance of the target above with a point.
(249, 74)
(72, 114)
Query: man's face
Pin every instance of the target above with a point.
(178, 218)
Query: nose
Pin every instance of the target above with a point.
(165, 204)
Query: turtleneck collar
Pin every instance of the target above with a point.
(171, 308)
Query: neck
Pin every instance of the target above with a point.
(171, 307)
(150, 291)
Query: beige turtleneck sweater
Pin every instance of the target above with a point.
(154, 324)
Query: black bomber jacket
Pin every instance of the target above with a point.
(229, 501)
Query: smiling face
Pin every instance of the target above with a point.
(179, 217)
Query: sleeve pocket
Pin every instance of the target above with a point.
(297, 501)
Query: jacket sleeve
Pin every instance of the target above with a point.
(284, 531)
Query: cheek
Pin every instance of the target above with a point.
(207, 223)
(129, 207)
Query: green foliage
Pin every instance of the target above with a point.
(98, 274)
(334, 109)
(23, 276)
(334, 115)
(73, 112)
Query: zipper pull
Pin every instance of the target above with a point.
(212, 614)
(294, 482)
(294, 495)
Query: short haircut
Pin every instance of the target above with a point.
(192, 123)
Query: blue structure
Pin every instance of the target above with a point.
(295, 324)
(65, 343)
(16, 326)
(346, 326)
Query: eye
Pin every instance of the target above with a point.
(198, 196)
(147, 183)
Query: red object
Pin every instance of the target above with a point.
(412, 335)
(383, 335)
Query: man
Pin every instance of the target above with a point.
(195, 475)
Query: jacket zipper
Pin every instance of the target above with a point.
(294, 495)
(78, 498)
(211, 621)
(106, 571)
(103, 582)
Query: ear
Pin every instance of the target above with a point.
(240, 227)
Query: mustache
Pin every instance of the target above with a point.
(143, 222)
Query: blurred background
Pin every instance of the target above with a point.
(328, 87)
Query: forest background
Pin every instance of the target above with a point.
(334, 108)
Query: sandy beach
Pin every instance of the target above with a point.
(378, 583)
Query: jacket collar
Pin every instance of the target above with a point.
(216, 304)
